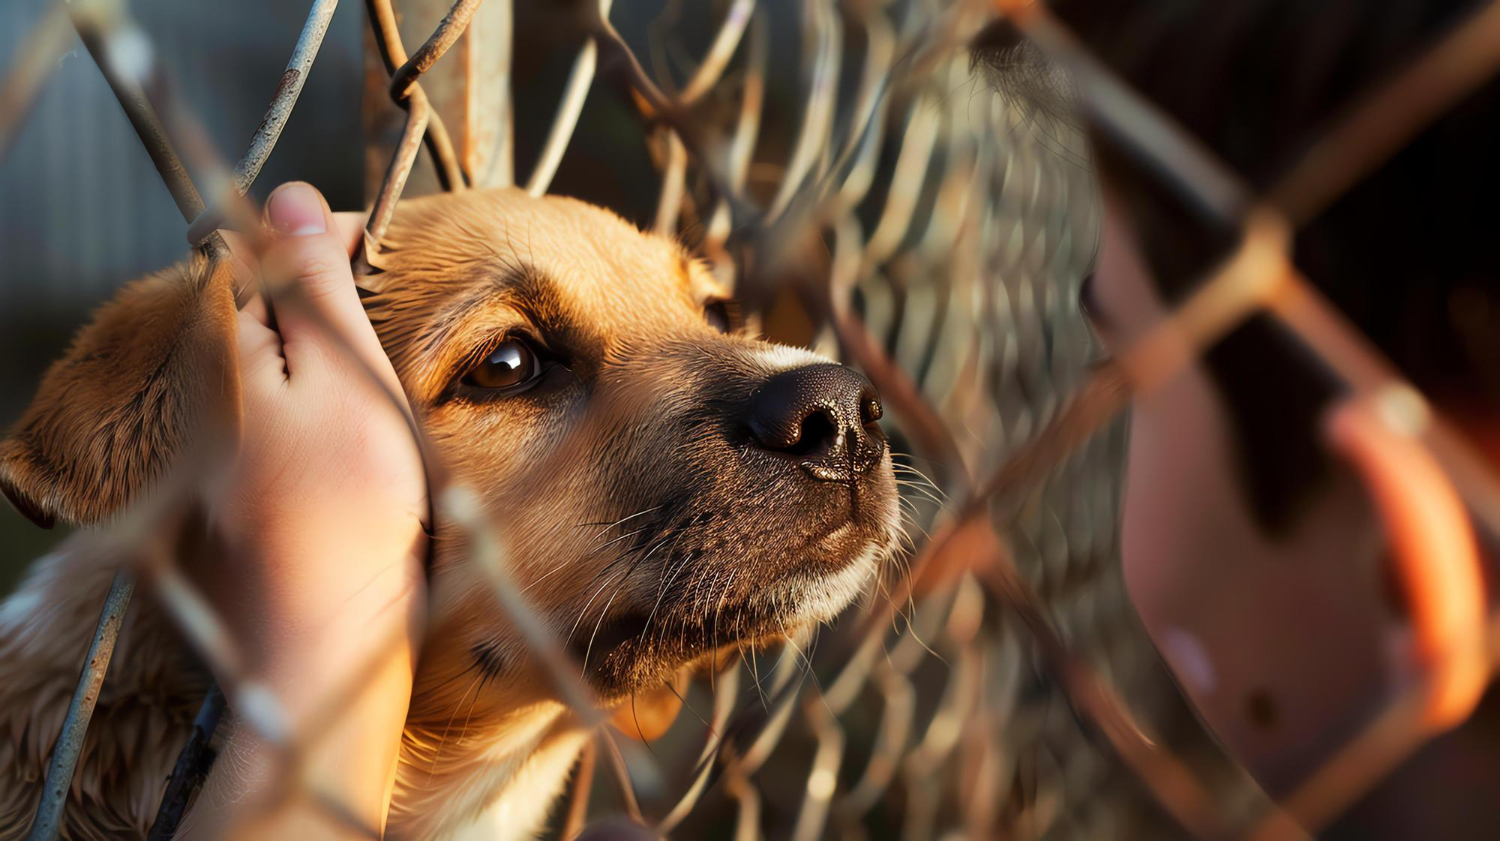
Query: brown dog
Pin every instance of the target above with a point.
(664, 487)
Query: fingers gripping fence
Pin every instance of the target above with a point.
(937, 243)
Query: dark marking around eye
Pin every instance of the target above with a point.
(488, 659)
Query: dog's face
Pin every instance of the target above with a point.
(663, 484)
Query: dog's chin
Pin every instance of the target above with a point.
(635, 650)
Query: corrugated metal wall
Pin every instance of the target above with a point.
(82, 208)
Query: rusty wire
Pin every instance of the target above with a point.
(283, 100)
(815, 197)
(69, 747)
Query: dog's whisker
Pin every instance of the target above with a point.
(915, 490)
(918, 495)
(873, 587)
(760, 687)
(681, 566)
(469, 717)
(917, 502)
(907, 468)
(920, 490)
(602, 613)
(600, 548)
(902, 565)
(911, 628)
(660, 543)
(602, 532)
(805, 671)
(707, 725)
(581, 613)
(544, 576)
(437, 752)
(910, 517)
(661, 592)
(719, 610)
(566, 565)
(621, 521)
(908, 486)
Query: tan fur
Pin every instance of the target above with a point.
(131, 391)
(629, 512)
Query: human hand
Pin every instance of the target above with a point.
(324, 505)
(323, 589)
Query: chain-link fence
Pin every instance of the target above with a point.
(934, 234)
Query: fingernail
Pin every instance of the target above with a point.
(295, 209)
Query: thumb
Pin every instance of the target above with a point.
(311, 286)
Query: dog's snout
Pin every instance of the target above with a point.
(824, 416)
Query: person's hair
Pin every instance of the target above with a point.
(1409, 254)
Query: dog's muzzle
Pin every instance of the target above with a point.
(823, 417)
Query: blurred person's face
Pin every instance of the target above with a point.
(1280, 639)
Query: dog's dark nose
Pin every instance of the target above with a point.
(824, 416)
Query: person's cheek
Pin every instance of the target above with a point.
(1279, 641)
(1273, 639)
(1119, 299)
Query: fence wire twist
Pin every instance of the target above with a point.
(946, 250)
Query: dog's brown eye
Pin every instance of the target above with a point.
(720, 315)
(512, 363)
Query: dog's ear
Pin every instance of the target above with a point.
(156, 364)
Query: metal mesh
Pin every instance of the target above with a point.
(936, 239)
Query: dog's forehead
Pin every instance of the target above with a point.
(585, 259)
